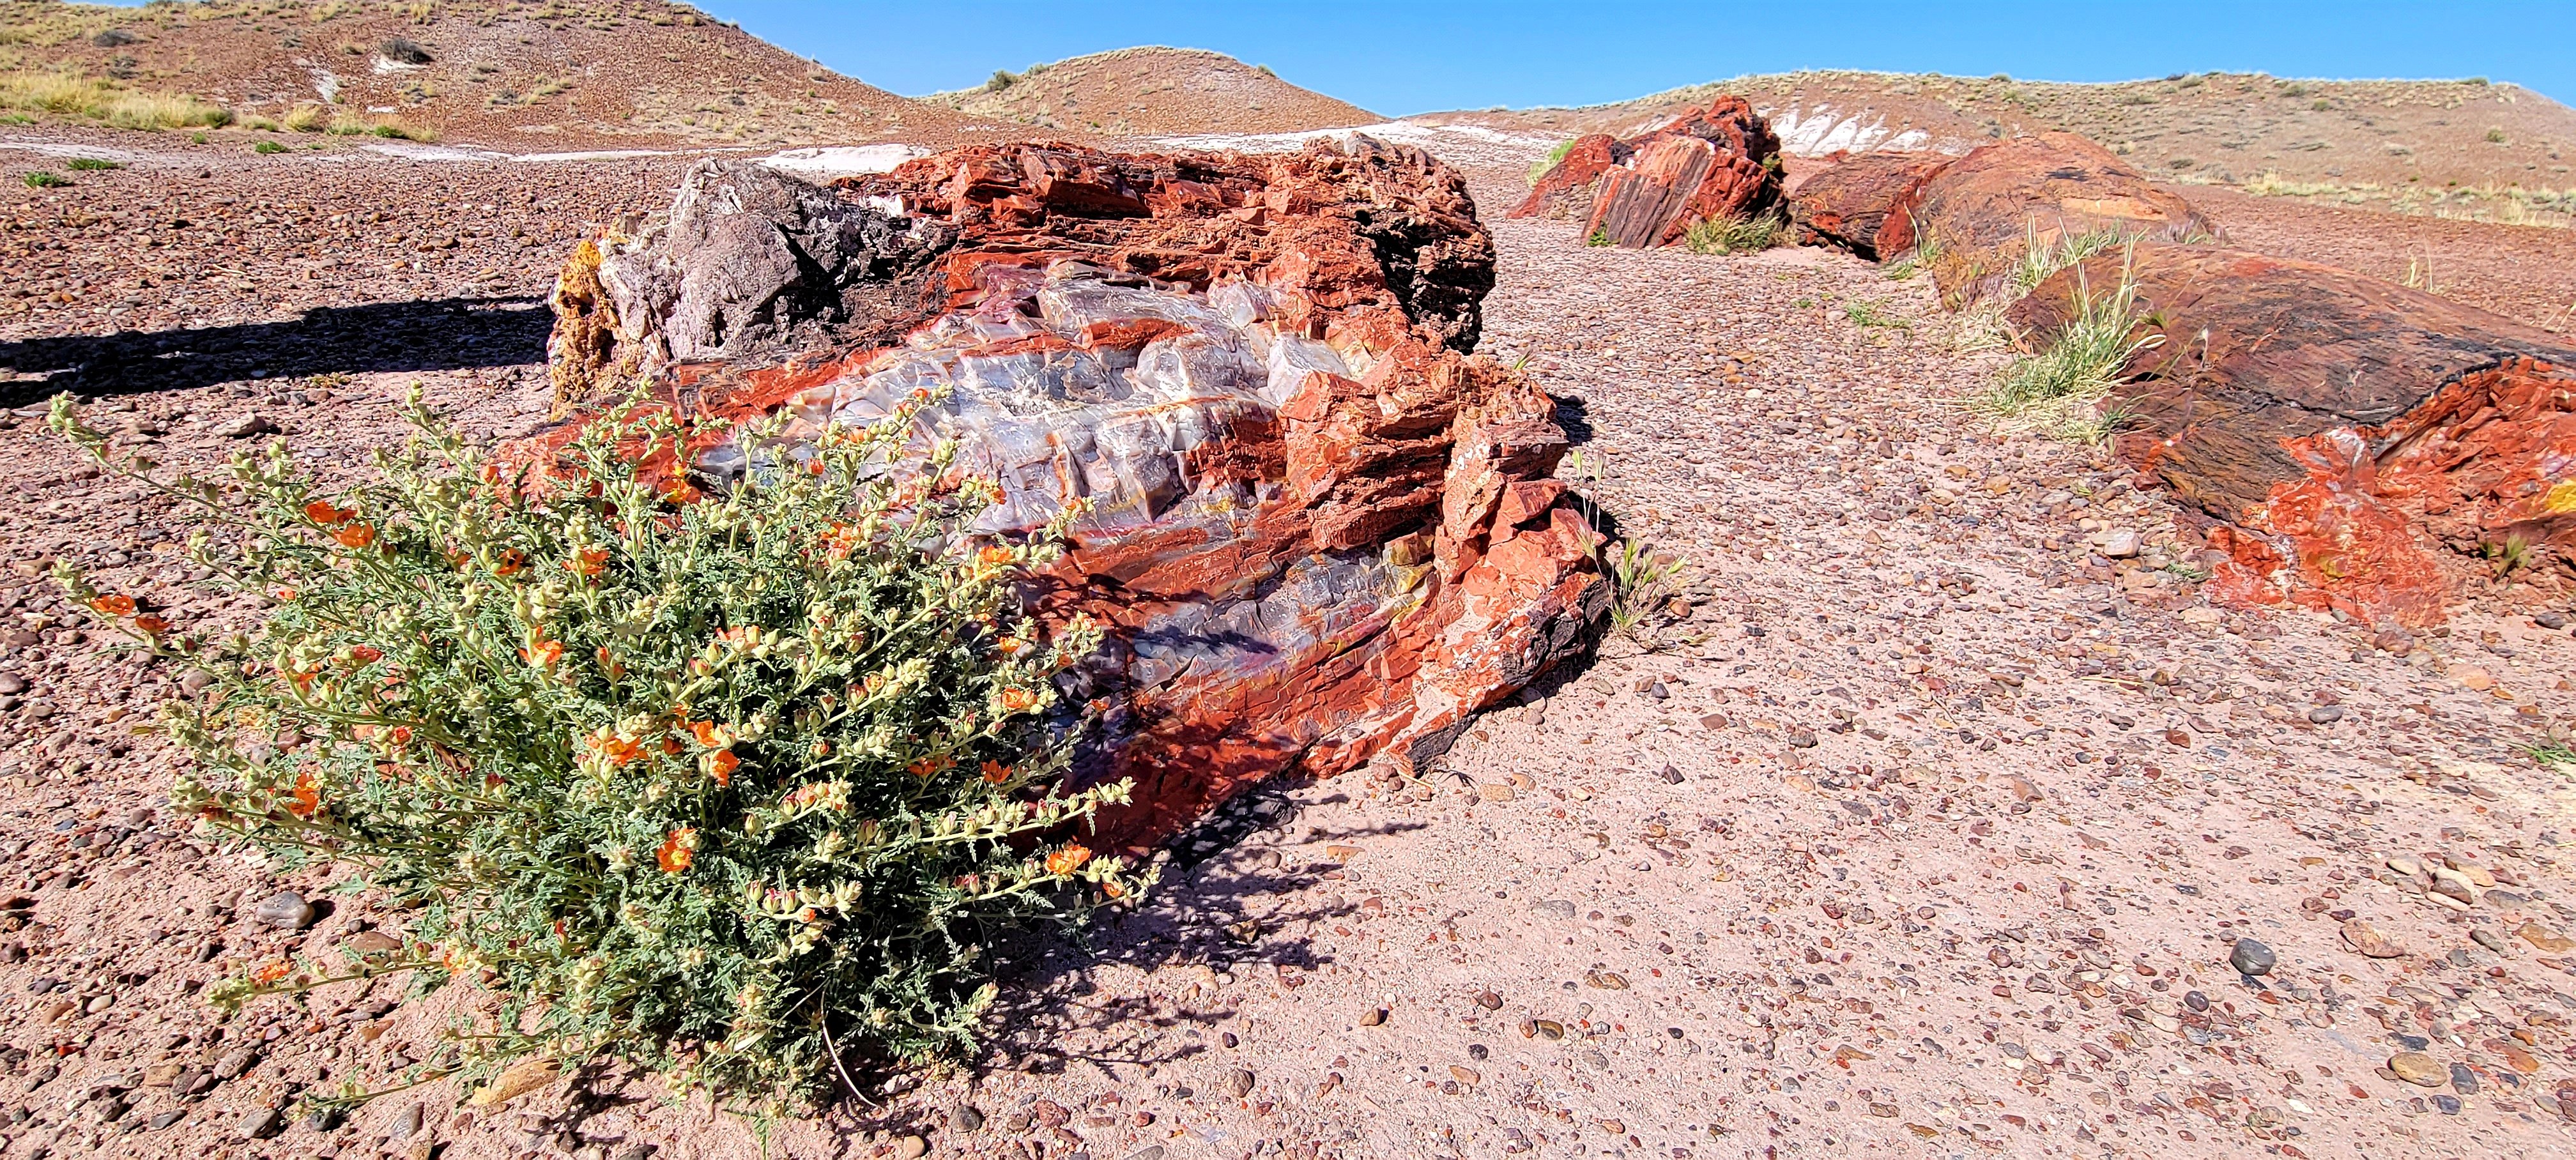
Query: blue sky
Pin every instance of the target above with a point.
(1411, 58)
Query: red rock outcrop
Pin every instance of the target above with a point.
(1984, 211)
(1321, 533)
(2368, 442)
(1718, 162)
(1844, 203)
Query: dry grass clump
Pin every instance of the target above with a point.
(66, 94)
(1737, 235)
(2059, 390)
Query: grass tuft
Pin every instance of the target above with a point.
(1539, 168)
(65, 94)
(2039, 259)
(91, 163)
(2059, 391)
(41, 179)
(268, 147)
(308, 118)
(1737, 235)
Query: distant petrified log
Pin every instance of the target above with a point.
(1983, 211)
(1845, 203)
(1718, 162)
(2364, 437)
(1320, 532)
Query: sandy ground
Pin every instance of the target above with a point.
(1927, 831)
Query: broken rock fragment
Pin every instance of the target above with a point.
(1708, 164)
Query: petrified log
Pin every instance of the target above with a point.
(1320, 533)
(2361, 436)
(1844, 204)
(1718, 162)
(1566, 187)
(1984, 210)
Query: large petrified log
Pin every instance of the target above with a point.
(1984, 211)
(1845, 203)
(1320, 532)
(2360, 436)
(1718, 162)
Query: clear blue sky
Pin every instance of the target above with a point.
(1411, 58)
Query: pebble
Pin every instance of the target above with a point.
(2251, 958)
(235, 1062)
(2325, 714)
(1238, 1082)
(247, 426)
(2417, 1068)
(911, 1148)
(261, 1123)
(2488, 939)
(2367, 939)
(966, 1118)
(285, 910)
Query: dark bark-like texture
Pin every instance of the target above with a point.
(1983, 211)
(2359, 427)
(1844, 204)
(1717, 162)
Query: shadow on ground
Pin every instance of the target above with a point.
(440, 335)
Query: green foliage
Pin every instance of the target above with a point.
(2555, 754)
(1642, 580)
(2039, 258)
(1868, 316)
(1598, 238)
(42, 179)
(2060, 390)
(91, 163)
(2495, 136)
(2509, 555)
(268, 147)
(1539, 168)
(1000, 80)
(722, 785)
(1736, 235)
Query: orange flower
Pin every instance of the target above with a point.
(1018, 700)
(588, 562)
(287, 594)
(681, 491)
(270, 973)
(114, 605)
(1010, 646)
(709, 734)
(151, 625)
(929, 765)
(993, 556)
(996, 772)
(400, 736)
(608, 663)
(544, 655)
(1113, 889)
(321, 512)
(616, 749)
(721, 764)
(308, 797)
(355, 535)
(1067, 860)
(678, 850)
(366, 655)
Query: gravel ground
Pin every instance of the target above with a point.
(1928, 829)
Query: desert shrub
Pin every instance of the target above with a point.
(404, 130)
(1736, 235)
(78, 163)
(267, 147)
(2060, 389)
(720, 784)
(308, 118)
(66, 93)
(42, 179)
(155, 111)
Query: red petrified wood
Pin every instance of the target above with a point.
(1845, 203)
(1718, 162)
(2366, 439)
(1323, 535)
(1982, 212)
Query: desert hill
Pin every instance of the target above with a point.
(535, 74)
(1154, 90)
(2465, 148)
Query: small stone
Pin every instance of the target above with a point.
(1466, 1075)
(2417, 1068)
(407, 1125)
(2325, 714)
(248, 425)
(261, 1124)
(2550, 620)
(1669, 775)
(372, 942)
(911, 1148)
(285, 910)
(2120, 545)
(2488, 939)
(2251, 958)
(2463, 1080)
(1496, 792)
(2195, 1000)
(168, 1118)
(2455, 888)
(1238, 1082)
(2367, 939)
(1489, 1000)
(1373, 1017)
(235, 1062)
(2545, 938)
(966, 1118)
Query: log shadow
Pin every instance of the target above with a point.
(393, 337)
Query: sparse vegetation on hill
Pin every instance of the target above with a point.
(1154, 90)
(506, 71)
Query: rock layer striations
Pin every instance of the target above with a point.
(1714, 163)
(1322, 534)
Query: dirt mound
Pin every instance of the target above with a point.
(1154, 90)
(632, 72)
(2456, 148)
